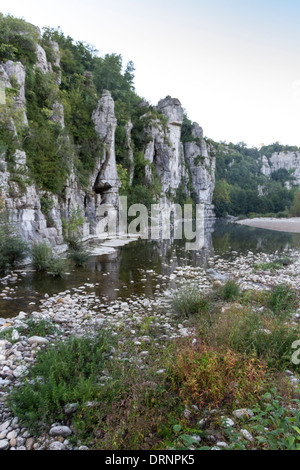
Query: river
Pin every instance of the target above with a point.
(140, 267)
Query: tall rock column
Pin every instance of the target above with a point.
(169, 163)
(164, 152)
(201, 166)
(105, 181)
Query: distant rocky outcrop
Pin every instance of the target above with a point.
(285, 160)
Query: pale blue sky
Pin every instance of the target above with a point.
(233, 64)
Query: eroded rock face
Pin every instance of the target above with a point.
(105, 177)
(173, 163)
(128, 129)
(41, 61)
(190, 164)
(289, 161)
(15, 72)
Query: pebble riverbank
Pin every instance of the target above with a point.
(79, 311)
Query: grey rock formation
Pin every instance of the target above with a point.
(173, 163)
(191, 164)
(58, 114)
(41, 62)
(128, 129)
(289, 161)
(202, 170)
(15, 72)
(105, 178)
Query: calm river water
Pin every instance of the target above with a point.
(134, 269)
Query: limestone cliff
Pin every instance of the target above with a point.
(190, 164)
(38, 214)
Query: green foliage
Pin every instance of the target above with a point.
(221, 197)
(46, 157)
(138, 194)
(37, 327)
(186, 130)
(188, 301)
(67, 372)
(17, 39)
(46, 205)
(124, 178)
(42, 255)
(295, 209)
(57, 266)
(283, 176)
(72, 228)
(282, 425)
(80, 100)
(253, 332)
(274, 265)
(8, 145)
(267, 266)
(79, 257)
(13, 249)
(84, 77)
(43, 259)
(48, 148)
(239, 168)
(283, 299)
(230, 291)
(268, 150)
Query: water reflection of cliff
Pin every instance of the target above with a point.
(137, 268)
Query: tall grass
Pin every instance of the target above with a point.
(209, 377)
(283, 299)
(252, 332)
(188, 301)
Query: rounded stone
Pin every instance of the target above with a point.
(56, 445)
(4, 444)
(60, 431)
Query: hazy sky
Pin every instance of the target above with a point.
(233, 64)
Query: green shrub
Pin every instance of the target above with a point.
(254, 333)
(18, 39)
(38, 327)
(282, 299)
(72, 229)
(13, 250)
(58, 266)
(267, 266)
(273, 265)
(79, 257)
(188, 301)
(42, 256)
(273, 425)
(229, 291)
(67, 372)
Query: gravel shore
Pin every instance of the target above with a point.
(281, 225)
